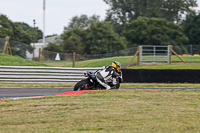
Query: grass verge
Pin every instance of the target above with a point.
(9, 60)
(187, 85)
(104, 111)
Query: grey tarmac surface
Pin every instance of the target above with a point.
(30, 91)
(13, 92)
(162, 88)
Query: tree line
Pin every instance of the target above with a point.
(128, 23)
(18, 31)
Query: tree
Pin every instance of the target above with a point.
(54, 47)
(174, 9)
(11, 29)
(101, 39)
(74, 40)
(51, 35)
(28, 29)
(125, 11)
(98, 38)
(191, 28)
(154, 31)
(20, 35)
(6, 28)
(81, 22)
(17, 31)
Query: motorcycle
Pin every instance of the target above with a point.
(91, 83)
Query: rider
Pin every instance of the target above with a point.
(109, 73)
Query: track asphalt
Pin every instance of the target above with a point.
(19, 92)
(6, 93)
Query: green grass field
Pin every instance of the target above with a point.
(124, 60)
(104, 111)
(118, 111)
(8, 60)
(57, 63)
(91, 63)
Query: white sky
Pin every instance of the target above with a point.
(58, 12)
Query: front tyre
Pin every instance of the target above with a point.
(117, 86)
(82, 85)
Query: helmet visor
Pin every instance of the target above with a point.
(118, 69)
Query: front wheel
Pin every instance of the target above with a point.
(117, 86)
(82, 85)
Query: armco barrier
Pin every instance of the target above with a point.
(31, 74)
(161, 76)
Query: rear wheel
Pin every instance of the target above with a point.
(82, 85)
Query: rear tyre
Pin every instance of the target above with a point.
(82, 85)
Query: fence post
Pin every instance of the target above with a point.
(39, 57)
(170, 54)
(154, 54)
(7, 46)
(178, 56)
(133, 58)
(74, 54)
(191, 53)
(138, 61)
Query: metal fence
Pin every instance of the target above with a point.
(154, 54)
(29, 74)
(18, 48)
(190, 53)
(48, 55)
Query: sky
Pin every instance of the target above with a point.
(58, 13)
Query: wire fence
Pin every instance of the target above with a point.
(47, 55)
(18, 48)
(190, 53)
